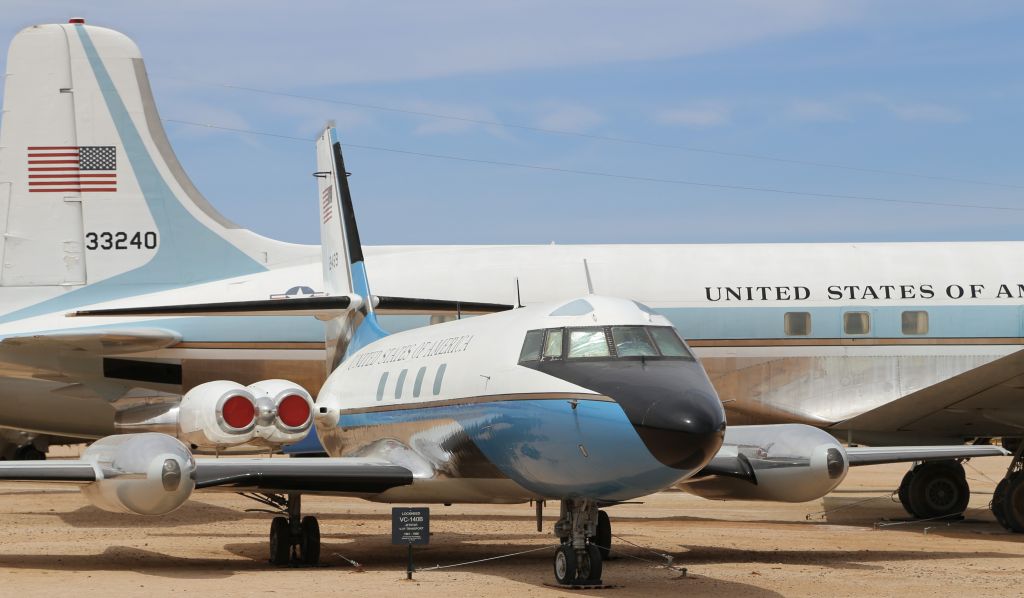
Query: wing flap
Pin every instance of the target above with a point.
(334, 475)
(875, 455)
(99, 342)
(79, 472)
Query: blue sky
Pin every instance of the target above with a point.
(926, 88)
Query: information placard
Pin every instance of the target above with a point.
(410, 525)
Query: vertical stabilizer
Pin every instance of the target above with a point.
(343, 267)
(91, 194)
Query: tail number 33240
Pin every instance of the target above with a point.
(120, 240)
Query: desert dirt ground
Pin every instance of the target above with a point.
(856, 542)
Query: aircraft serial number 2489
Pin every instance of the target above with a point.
(120, 240)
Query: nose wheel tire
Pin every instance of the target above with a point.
(565, 565)
(603, 538)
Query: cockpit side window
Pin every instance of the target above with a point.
(669, 342)
(632, 341)
(532, 345)
(553, 344)
(588, 342)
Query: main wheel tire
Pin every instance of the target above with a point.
(603, 539)
(591, 565)
(280, 542)
(1013, 503)
(309, 547)
(904, 492)
(565, 564)
(938, 489)
(999, 503)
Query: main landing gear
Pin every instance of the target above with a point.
(294, 539)
(1008, 498)
(935, 489)
(584, 531)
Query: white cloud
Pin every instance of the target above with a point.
(925, 112)
(270, 43)
(817, 111)
(569, 117)
(698, 115)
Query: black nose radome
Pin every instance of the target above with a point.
(671, 404)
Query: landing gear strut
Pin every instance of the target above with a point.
(578, 561)
(1008, 498)
(935, 489)
(293, 539)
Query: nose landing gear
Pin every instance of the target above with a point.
(578, 562)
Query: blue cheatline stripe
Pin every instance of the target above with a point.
(188, 252)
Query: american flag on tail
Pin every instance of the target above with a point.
(327, 205)
(74, 169)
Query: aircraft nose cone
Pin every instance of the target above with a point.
(683, 428)
(671, 404)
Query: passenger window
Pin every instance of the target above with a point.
(380, 386)
(400, 383)
(553, 344)
(588, 342)
(532, 345)
(856, 322)
(668, 342)
(915, 322)
(418, 385)
(439, 378)
(632, 341)
(798, 323)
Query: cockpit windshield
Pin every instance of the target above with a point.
(603, 343)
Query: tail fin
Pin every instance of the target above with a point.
(90, 190)
(343, 267)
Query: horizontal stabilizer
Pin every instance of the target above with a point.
(323, 308)
(99, 342)
(875, 455)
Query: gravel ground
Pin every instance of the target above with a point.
(53, 542)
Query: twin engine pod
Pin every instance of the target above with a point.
(222, 414)
(145, 474)
(781, 462)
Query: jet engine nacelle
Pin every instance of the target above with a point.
(217, 414)
(224, 416)
(784, 462)
(145, 474)
(284, 412)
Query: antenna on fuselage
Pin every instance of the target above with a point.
(590, 283)
(519, 298)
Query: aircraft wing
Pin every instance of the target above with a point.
(985, 401)
(319, 307)
(341, 475)
(875, 455)
(98, 342)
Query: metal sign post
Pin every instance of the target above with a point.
(410, 525)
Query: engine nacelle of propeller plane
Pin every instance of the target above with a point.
(783, 463)
(145, 474)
